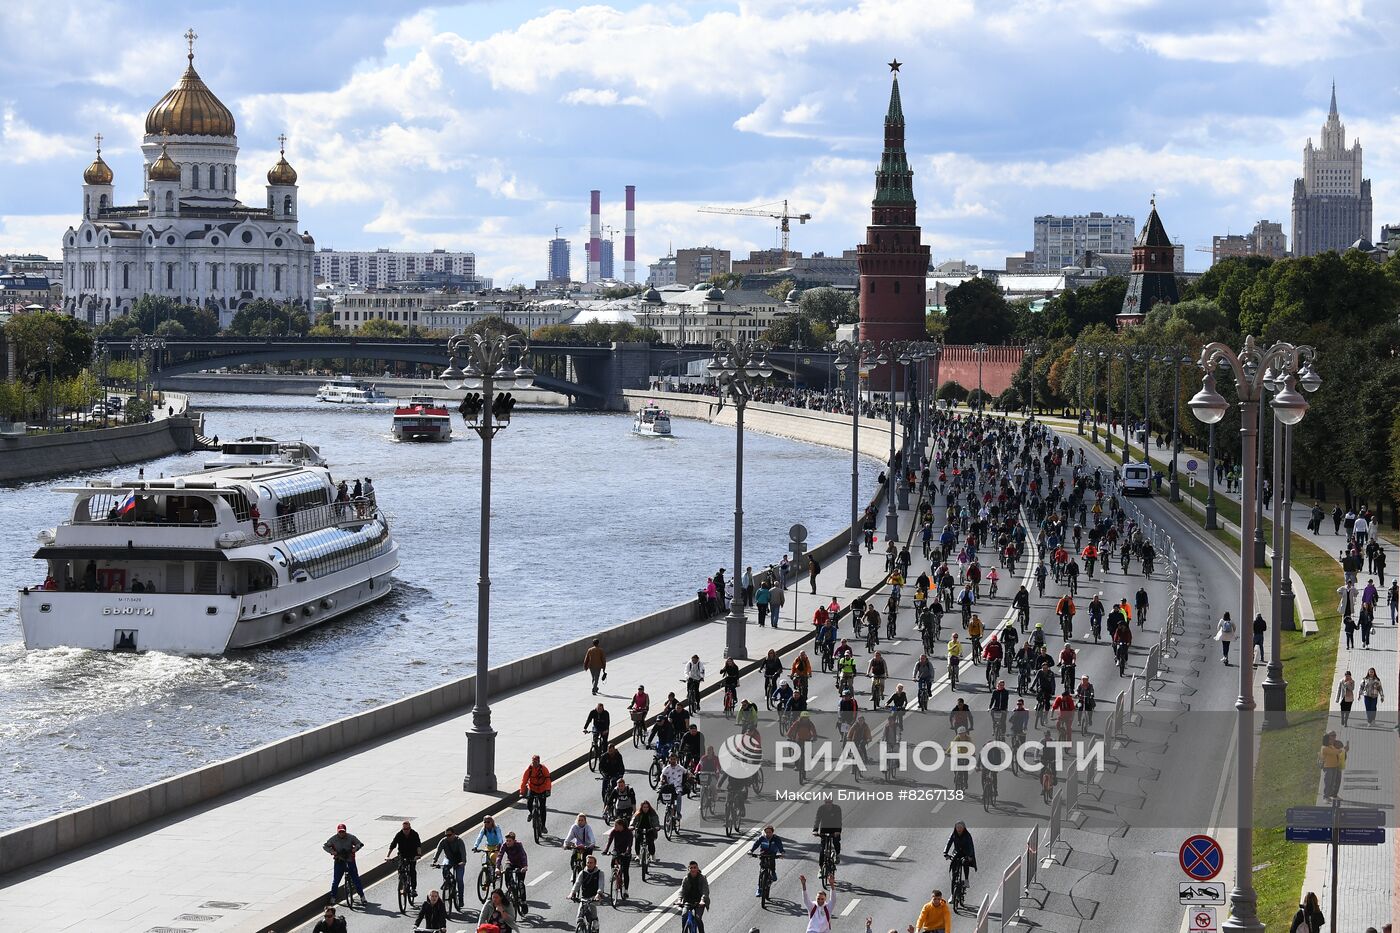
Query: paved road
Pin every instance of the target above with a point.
(1115, 877)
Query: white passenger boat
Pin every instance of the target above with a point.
(652, 421)
(347, 391)
(258, 449)
(230, 557)
(422, 418)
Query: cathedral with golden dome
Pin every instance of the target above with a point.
(187, 236)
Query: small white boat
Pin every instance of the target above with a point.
(347, 391)
(652, 421)
(258, 449)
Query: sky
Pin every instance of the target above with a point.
(482, 126)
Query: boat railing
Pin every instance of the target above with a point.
(351, 512)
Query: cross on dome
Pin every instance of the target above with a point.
(190, 36)
(282, 143)
(98, 138)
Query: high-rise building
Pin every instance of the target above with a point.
(383, 267)
(1153, 278)
(1060, 240)
(559, 259)
(700, 263)
(1266, 239)
(1331, 202)
(893, 259)
(605, 259)
(662, 272)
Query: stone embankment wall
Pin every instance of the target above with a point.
(31, 457)
(84, 827)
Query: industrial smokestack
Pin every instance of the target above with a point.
(629, 241)
(595, 235)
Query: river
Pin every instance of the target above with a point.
(590, 526)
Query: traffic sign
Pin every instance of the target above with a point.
(1308, 833)
(1191, 466)
(1201, 858)
(1196, 893)
(1203, 920)
(1362, 837)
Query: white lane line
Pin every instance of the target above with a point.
(538, 878)
(939, 806)
(850, 906)
(894, 856)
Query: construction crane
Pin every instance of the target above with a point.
(784, 217)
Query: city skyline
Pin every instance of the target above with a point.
(483, 127)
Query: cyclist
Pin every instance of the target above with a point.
(962, 850)
(587, 891)
(535, 782)
(1040, 578)
(600, 721)
(500, 911)
(877, 671)
(961, 748)
(663, 736)
(342, 848)
(514, 862)
(992, 654)
(1127, 611)
(640, 705)
(1096, 611)
(769, 843)
(1018, 721)
(1037, 638)
(1044, 691)
(1069, 658)
(935, 916)
(846, 671)
(624, 800)
(432, 916)
(694, 674)
(801, 672)
(899, 701)
(1122, 641)
(330, 923)
(846, 710)
(843, 648)
(975, 629)
(645, 825)
(955, 649)
(783, 695)
(581, 835)
(619, 845)
(960, 716)
(451, 856)
(695, 894)
(1084, 696)
(611, 768)
(747, 717)
(691, 745)
(923, 675)
(1000, 699)
(1141, 602)
(410, 846)
(772, 670)
(1063, 708)
(992, 578)
(1065, 610)
(858, 734)
(706, 767)
(827, 824)
(674, 782)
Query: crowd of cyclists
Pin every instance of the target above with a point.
(995, 498)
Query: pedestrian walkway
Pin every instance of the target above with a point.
(254, 856)
(1363, 898)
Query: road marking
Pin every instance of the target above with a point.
(538, 878)
(939, 806)
(894, 856)
(851, 906)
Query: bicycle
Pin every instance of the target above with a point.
(877, 690)
(692, 694)
(671, 823)
(595, 752)
(953, 663)
(1121, 650)
(828, 660)
(689, 919)
(535, 804)
(451, 894)
(872, 638)
(639, 732)
(578, 859)
(1017, 740)
(587, 919)
(731, 699)
(485, 876)
(709, 793)
(733, 813)
(617, 890)
(349, 897)
(827, 857)
(770, 687)
(925, 692)
(515, 889)
(890, 626)
(405, 884)
(993, 672)
(767, 872)
(989, 789)
(646, 850)
(957, 871)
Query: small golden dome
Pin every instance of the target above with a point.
(164, 168)
(282, 173)
(190, 109)
(98, 173)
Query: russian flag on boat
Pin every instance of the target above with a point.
(128, 504)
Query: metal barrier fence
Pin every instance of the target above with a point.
(1011, 892)
(1031, 859)
(983, 912)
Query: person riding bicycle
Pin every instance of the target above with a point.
(975, 630)
(645, 825)
(846, 710)
(535, 782)
(600, 721)
(923, 674)
(858, 734)
(330, 923)
(801, 671)
(1037, 637)
(1068, 659)
(695, 894)
(747, 716)
(432, 916)
(624, 800)
(783, 695)
(587, 891)
(611, 767)
(960, 846)
(998, 704)
(514, 862)
(1065, 610)
(899, 700)
(619, 846)
(877, 668)
(691, 745)
(772, 667)
(706, 767)
(580, 836)
(846, 671)
(960, 716)
(992, 654)
(843, 649)
(640, 705)
(768, 843)
(499, 912)
(1017, 722)
(955, 650)
(934, 917)
(694, 674)
(674, 782)
(1096, 612)
(451, 856)
(827, 824)
(729, 677)
(1141, 602)
(663, 736)
(410, 846)
(1084, 695)
(342, 848)
(1063, 708)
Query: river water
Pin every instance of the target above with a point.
(590, 526)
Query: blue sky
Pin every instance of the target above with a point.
(483, 125)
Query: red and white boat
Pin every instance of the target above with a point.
(422, 418)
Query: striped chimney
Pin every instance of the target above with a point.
(629, 243)
(595, 235)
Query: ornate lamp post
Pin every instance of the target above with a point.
(145, 344)
(1094, 394)
(856, 358)
(1108, 400)
(486, 369)
(1126, 356)
(1178, 358)
(738, 365)
(895, 351)
(1034, 349)
(1250, 367)
(981, 351)
(1309, 381)
(1079, 391)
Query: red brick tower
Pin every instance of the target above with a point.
(893, 260)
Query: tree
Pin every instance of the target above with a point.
(35, 334)
(493, 324)
(951, 391)
(620, 291)
(779, 291)
(977, 313)
(830, 306)
(726, 280)
(263, 318)
(151, 311)
(1070, 313)
(380, 328)
(594, 333)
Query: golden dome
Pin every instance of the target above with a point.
(98, 173)
(282, 173)
(164, 168)
(189, 109)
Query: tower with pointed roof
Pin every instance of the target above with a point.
(893, 260)
(186, 236)
(1153, 277)
(1331, 202)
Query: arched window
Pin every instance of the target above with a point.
(225, 177)
(170, 201)
(102, 204)
(211, 178)
(87, 205)
(287, 206)
(126, 275)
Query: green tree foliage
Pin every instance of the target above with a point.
(952, 391)
(44, 337)
(1072, 312)
(1224, 283)
(778, 291)
(594, 333)
(492, 324)
(726, 280)
(380, 328)
(621, 291)
(977, 313)
(830, 306)
(262, 318)
(150, 312)
(1348, 293)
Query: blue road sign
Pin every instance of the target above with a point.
(1191, 466)
(1309, 833)
(1201, 858)
(1363, 837)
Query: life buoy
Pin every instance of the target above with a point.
(261, 530)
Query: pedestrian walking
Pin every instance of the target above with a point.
(1346, 696)
(1366, 620)
(1225, 633)
(762, 598)
(1372, 693)
(1349, 626)
(1332, 758)
(1308, 919)
(1336, 519)
(746, 583)
(1392, 599)
(813, 568)
(1260, 627)
(784, 572)
(596, 663)
(1315, 522)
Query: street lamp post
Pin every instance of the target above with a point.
(981, 351)
(1125, 356)
(1178, 359)
(854, 357)
(1033, 350)
(1079, 391)
(487, 370)
(898, 352)
(738, 365)
(1310, 382)
(1211, 524)
(1094, 397)
(148, 345)
(1108, 401)
(1250, 367)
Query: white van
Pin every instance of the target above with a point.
(1137, 479)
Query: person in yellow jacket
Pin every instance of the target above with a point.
(935, 916)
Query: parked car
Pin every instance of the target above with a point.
(99, 411)
(114, 403)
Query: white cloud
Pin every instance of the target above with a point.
(601, 97)
(23, 233)
(20, 143)
(493, 177)
(1288, 33)
(805, 112)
